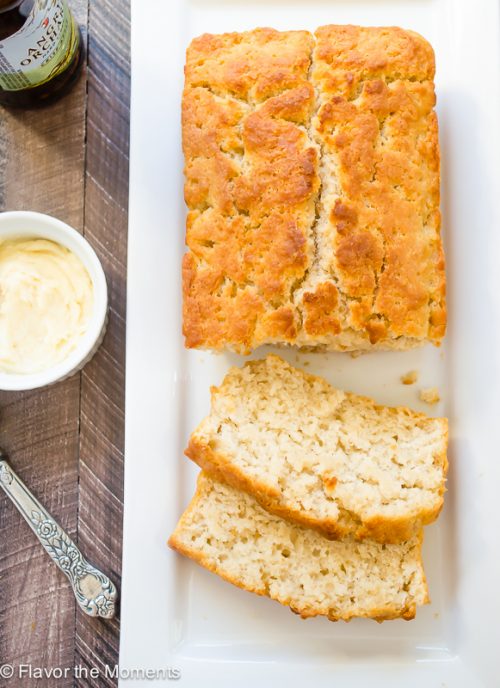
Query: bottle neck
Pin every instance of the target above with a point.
(6, 5)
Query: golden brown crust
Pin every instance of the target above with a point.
(380, 234)
(354, 261)
(251, 183)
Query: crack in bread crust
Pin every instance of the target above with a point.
(312, 183)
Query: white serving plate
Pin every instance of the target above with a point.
(174, 614)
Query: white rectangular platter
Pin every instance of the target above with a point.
(178, 616)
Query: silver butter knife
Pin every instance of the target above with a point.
(94, 591)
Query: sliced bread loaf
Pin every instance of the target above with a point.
(229, 533)
(322, 457)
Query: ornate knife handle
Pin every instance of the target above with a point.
(94, 592)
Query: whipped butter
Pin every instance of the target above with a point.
(46, 301)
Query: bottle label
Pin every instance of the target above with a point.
(41, 49)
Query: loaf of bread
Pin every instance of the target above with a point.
(229, 533)
(321, 457)
(312, 186)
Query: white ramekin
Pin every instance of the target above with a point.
(28, 224)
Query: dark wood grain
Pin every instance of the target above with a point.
(103, 380)
(66, 441)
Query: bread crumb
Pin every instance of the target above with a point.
(430, 395)
(355, 354)
(410, 377)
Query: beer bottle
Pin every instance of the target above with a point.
(41, 51)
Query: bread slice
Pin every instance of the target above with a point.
(322, 457)
(229, 533)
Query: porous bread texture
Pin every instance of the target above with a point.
(312, 186)
(229, 533)
(322, 457)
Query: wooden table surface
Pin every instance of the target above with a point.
(66, 441)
